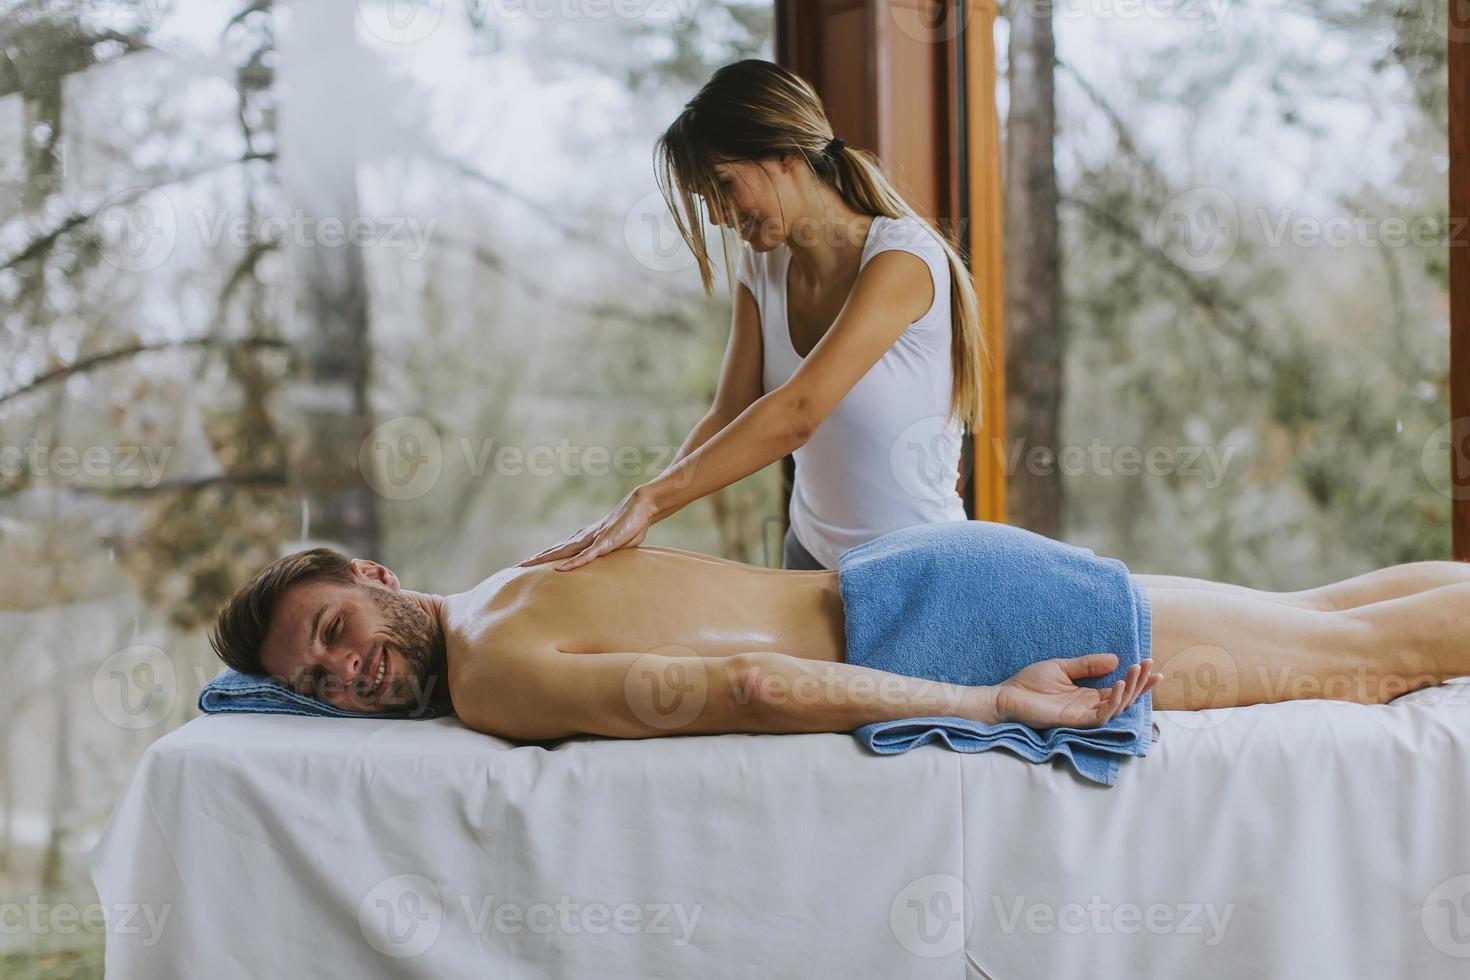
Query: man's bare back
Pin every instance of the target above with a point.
(646, 599)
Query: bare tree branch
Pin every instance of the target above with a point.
(45, 240)
(78, 56)
(1126, 143)
(268, 477)
(670, 319)
(109, 357)
(545, 211)
(258, 477)
(1235, 322)
(253, 7)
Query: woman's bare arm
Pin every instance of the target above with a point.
(887, 296)
(740, 373)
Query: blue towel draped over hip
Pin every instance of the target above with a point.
(972, 602)
(231, 690)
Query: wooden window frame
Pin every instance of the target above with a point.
(877, 66)
(874, 63)
(1459, 206)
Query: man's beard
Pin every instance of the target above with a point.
(410, 631)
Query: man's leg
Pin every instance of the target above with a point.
(1297, 600)
(1394, 582)
(1379, 585)
(1218, 649)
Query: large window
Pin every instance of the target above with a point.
(1254, 286)
(382, 273)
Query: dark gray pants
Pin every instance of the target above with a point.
(796, 558)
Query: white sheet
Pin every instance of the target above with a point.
(1308, 839)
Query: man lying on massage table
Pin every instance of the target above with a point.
(534, 654)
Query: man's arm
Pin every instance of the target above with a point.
(540, 694)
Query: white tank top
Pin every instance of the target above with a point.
(888, 455)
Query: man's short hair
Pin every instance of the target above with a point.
(245, 618)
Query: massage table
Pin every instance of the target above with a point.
(1306, 839)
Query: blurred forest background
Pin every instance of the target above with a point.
(396, 276)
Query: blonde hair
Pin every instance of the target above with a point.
(753, 110)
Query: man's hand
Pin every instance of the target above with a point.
(1045, 694)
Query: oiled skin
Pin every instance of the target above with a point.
(643, 599)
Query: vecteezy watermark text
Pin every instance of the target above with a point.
(125, 463)
(36, 918)
(402, 916)
(1203, 462)
(1100, 917)
(404, 457)
(303, 230)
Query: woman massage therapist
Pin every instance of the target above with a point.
(855, 340)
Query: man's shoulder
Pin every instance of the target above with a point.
(498, 608)
(489, 629)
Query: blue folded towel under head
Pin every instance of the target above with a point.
(972, 602)
(234, 691)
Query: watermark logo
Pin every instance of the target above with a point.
(1448, 476)
(652, 11)
(1199, 229)
(930, 21)
(1210, 14)
(567, 459)
(400, 21)
(932, 916)
(301, 229)
(940, 21)
(401, 459)
(1361, 230)
(825, 684)
(140, 227)
(1445, 916)
(667, 688)
(1449, 19)
(122, 15)
(924, 458)
(135, 687)
(1206, 462)
(1200, 678)
(401, 916)
(573, 916)
(1455, 693)
(653, 239)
